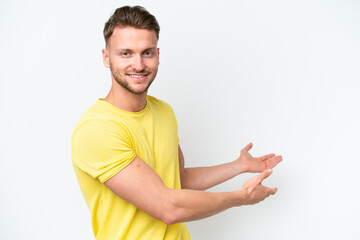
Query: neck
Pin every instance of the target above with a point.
(125, 100)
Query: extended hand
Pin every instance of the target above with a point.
(248, 163)
(253, 191)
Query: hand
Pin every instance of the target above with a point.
(253, 191)
(248, 163)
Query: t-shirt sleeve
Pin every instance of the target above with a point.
(102, 148)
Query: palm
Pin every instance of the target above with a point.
(249, 163)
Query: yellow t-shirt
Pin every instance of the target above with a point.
(104, 141)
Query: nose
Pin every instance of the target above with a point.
(138, 64)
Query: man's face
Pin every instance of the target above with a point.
(133, 58)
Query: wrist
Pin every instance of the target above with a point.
(238, 198)
(238, 167)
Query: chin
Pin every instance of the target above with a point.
(139, 91)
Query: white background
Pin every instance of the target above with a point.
(281, 74)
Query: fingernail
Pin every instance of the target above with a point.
(269, 170)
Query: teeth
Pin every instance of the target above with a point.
(136, 76)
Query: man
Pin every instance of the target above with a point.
(126, 151)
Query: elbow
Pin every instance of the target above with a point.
(170, 218)
(171, 214)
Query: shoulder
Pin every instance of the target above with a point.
(100, 120)
(159, 104)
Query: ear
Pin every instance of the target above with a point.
(106, 58)
(158, 51)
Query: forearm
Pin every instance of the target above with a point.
(201, 178)
(187, 205)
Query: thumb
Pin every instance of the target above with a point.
(264, 174)
(248, 147)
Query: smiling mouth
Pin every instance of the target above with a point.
(137, 75)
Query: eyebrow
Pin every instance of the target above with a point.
(152, 48)
(129, 50)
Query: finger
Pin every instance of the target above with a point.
(248, 147)
(272, 162)
(273, 191)
(265, 157)
(264, 175)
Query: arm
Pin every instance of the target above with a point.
(139, 184)
(201, 178)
